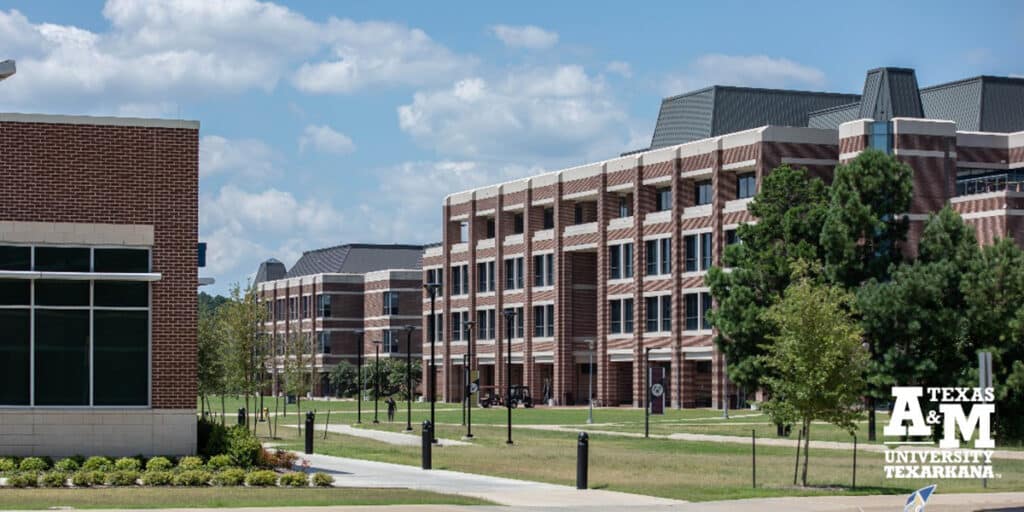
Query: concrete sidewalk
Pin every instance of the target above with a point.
(396, 438)
(503, 491)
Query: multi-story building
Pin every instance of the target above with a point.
(611, 257)
(98, 276)
(335, 298)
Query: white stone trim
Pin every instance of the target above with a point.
(658, 181)
(99, 121)
(577, 195)
(809, 161)
(696, 231)
(693, 212)
(737, 205)
(849, 156)
(621, 223)
(620, 296)
(580, 229)
(543, 234)
(580, 247)
(517, 238)
(744, 165)
(697, 173)
(543, 202)
(658, 217)
(922, 153)
(58, 233)
(1009, 212)
(620, 187)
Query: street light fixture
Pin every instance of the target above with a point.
(7, 69)
(468, 365)
(376, 378)
(432, 289)
(465, 369)
(647, 392)
(408, 377)
(592, 345)
(510, 315)
(359, 376)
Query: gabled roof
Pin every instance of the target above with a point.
(982, 103)
(270, 270)
(357, 259)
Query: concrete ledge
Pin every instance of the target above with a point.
(109, 432)
(98, 121)
(129, 235)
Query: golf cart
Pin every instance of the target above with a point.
(521, 396)
(489, 397)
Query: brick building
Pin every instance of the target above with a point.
(615, 252)
(98, 256)
(334, 298)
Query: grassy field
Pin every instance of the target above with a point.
(185, 497)
(695, 471)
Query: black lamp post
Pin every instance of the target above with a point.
(359, 376)
(408, 377)
(465, 369)
(467, 365)
(376, 379)
(510, 315)
(870, 346)
(647, 392)
(432, 289)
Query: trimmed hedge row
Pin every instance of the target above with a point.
(228, 477)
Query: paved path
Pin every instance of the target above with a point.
(765, 441)
(384, 436)
(503, 491)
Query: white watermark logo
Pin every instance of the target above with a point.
(965, 416)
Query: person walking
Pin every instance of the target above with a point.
(392, 406)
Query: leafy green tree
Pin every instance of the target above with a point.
(790, 208)
(816, 358)
(916, 317)
(344, 379)
(209, 358)
(242, 320)
(865, 225)
(391, 375)
(297, 364)
(994, 289)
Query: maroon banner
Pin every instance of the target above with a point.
(657, 391)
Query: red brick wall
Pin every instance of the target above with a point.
(121, 175)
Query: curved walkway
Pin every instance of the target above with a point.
(384, 436)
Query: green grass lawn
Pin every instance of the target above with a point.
(187, 497)
(696, 471)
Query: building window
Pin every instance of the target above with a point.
(881, 136)
(293, 308)
(463, 231)
(625, 206)
(666, 255)
(485, 324)
(490, 227)
(746, 185)
(659, 313)
(459, 319)
(705, 251)
(695, 245)
(279, 309)
(544, 270)
(460, 279)
(544, 321)
(437, 333)
(323, 342)
(517, 223)
(306, 299)
(663, 199)
(514, 273)
(549, 218)
(731, 237)
(659, 256)
(90, 338)
(485, 277)
(518, 322)
(620, 261)
(390, 342)
(697, 306)
(621, 316)
(323, 306)
(390, 303)
(702, 190)
(578, 214)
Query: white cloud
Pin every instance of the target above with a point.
(538, 115)
(525, 36)
(744, 70)
(324, 139)
(157, 55)
(621, 68)
(247, 157)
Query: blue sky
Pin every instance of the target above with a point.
(330, 122)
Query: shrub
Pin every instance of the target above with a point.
(156, 478)
(68, 465)
(229, 477)
(219, 462)
(87, 478)
(23, 479)
(322, 480)
(243, 447)
(261, 478)
(53, 479)
(122, 477)
(33, 464)
(7, 464)
(97, 464)
(277, 459)
(192, 478)
(211, 438)
(187, 463)
(295, 480)
(159, 464)
(127, 464)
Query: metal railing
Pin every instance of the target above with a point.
(1012, 181)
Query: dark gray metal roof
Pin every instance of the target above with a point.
(889, 93)
(831, 118)
(357, 259)
(981, 103)
(270, 270)
(719, 109)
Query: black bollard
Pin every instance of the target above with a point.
(241, 416)
(309, 432)
(582, 459)
(428, 438)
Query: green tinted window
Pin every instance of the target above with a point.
(62, 357)
(14, 357)
(121, 294)
(62, 259)
(15, 257)
(121, 260)
(120, 357)
(14, 292)
(62, 293)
